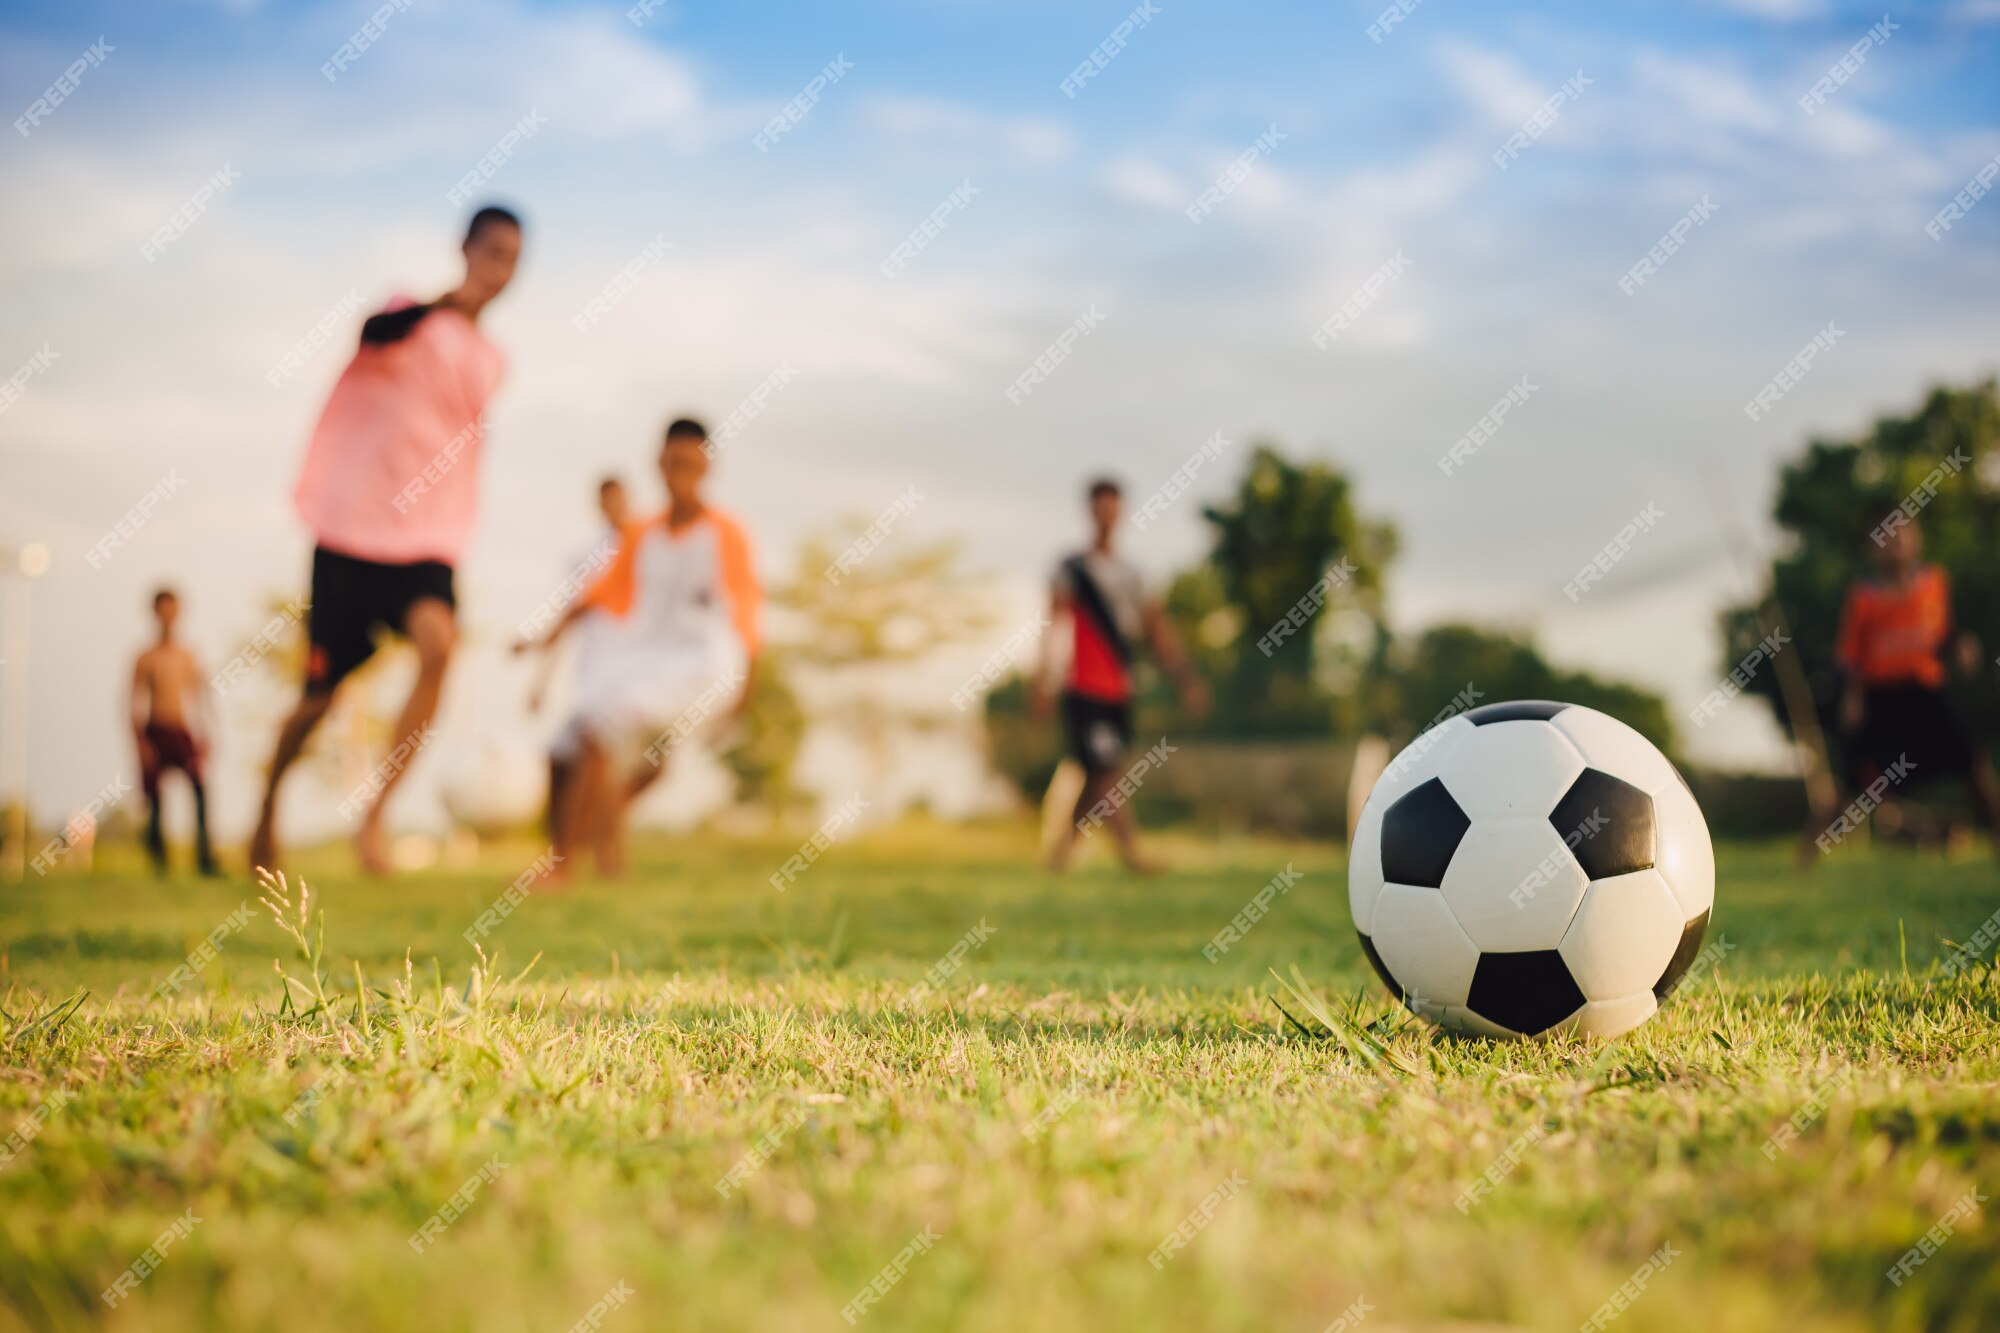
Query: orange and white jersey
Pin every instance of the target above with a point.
(681, 589)
(677, 615)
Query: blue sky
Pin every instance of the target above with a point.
(1387, 148)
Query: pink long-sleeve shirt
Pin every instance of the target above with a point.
(392, 471)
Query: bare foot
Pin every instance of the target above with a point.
(371, 846)
(1145, 865)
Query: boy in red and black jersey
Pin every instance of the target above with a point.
(1099, 610)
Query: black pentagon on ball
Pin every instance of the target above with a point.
(1381, 968)
(1607, 825)
(1684, 956)
(1419, 834)
(1520, 710)
(1526, 992)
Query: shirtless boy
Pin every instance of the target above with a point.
(170, 727)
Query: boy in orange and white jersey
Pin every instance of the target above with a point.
(675, 646)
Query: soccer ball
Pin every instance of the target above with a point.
(494, 785)
(1529, 867)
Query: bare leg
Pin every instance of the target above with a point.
(1097, 787)
(1063, 850)
(1125, 830)
(291, 741)
(560, 771)
(434, 634)
(156, 841)
(204, 852)
(611, 834)
(584, 799)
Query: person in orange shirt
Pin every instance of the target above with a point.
(389, 488)
(1895, 633)
(674, 649)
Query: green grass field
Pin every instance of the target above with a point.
(1008, 1150)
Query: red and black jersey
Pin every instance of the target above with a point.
(1106, 601)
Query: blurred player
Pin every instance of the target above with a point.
(678, 646)
(616, 507)
(1894, 634)
(389, 488)
(170, 727)
(1103, 599)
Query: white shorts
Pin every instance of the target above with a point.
(639, 701)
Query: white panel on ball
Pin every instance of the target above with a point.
(1364, 873)
(1686, 857)
(1511, 770)
(1422, 945)
(1612, 747)
(1611, 1018)
(1623, 935)
(1460, 1019)
(1417, 763)
(1512, 884)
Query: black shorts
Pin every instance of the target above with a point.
(350, 597)
(1098, 730)
(1910, 722)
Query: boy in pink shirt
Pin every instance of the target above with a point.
(389, 488)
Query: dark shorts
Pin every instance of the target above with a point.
(173, 748)
(350, 597)
(1910, 722)
(1098, 730)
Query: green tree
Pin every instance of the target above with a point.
(760, 751)
(1438, 666)
(1291, 536)
(1838, 491)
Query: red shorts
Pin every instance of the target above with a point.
(173, 747)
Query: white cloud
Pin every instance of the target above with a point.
(1493, 84)
(963, 131)
(1705, 93)
(1138, 181)
(1780, 11)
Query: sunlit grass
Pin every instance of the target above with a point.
(1052, 1111)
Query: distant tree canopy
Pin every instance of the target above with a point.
(1285, 611)
(1291, 547)
(1839, 491)
(1486, 666)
